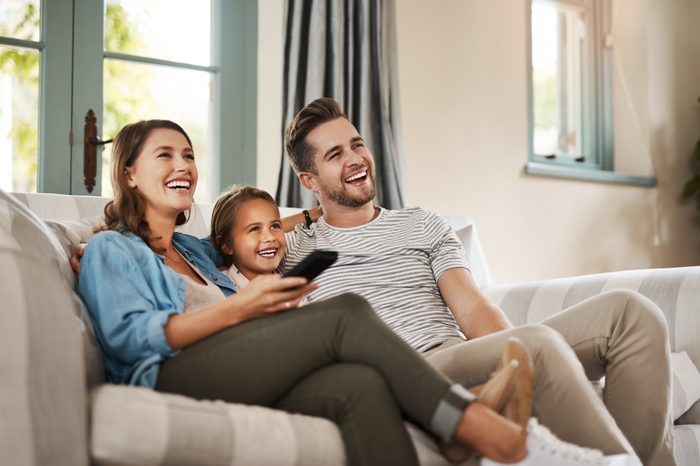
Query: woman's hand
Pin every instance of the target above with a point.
(269, 294)
(263, 296)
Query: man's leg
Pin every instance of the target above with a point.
(564, 399)
(623, 336)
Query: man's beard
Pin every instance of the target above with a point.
(342, 197)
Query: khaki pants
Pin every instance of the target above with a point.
(620, 335)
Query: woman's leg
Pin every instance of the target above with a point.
(357, 398)
(259, 361)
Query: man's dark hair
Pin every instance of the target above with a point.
(316, 113)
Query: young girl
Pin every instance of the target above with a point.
(247, 230)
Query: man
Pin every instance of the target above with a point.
(410, 266)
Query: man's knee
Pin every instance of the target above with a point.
(640, 312)
(538, 334)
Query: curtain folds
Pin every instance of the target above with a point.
(345, 49)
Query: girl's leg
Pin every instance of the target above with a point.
(259, 361)
(357, 398)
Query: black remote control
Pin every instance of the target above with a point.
(313, 264)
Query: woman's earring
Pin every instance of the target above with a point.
(132, 184)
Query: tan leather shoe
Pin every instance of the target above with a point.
(508, 392)
(516, 399)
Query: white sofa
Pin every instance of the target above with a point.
(56, 409)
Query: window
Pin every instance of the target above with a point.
(20, 55)
(570, 110)
(191, 62)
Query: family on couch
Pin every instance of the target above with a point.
(139, 279)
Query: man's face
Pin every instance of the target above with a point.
(344, 167)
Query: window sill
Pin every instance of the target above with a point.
(583, 174)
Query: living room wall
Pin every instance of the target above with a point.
(462, 75)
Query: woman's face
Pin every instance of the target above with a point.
(257, 239)
(164, 173)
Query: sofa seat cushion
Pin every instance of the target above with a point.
(139, 426)
(686, 447)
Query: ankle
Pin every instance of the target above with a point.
(492, 435)
(514, 447)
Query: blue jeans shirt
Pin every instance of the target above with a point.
(131, 293)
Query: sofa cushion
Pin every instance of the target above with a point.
(136, 425)
(686, 383)
(686, 445)
(54, 239)
(42, 387)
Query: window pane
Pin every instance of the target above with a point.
(166, 29)
(19, 118)
(558, 79)
(20, 19)
(179, 95)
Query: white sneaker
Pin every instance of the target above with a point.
(545, 449)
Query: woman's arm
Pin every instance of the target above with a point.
(263, 296)
(288, 223)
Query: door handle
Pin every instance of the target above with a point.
(90, 143)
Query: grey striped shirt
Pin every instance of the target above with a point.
(394, 262)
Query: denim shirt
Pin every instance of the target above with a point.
(131, 293)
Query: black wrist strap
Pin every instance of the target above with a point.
(307, 217)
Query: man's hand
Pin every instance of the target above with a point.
(78, 251)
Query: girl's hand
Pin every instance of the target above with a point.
(269, 294)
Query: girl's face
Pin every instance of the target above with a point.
(164, 173)
(257, 240)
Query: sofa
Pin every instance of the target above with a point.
(56, 409)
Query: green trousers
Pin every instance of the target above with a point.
(334, 359)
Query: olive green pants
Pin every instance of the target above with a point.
(334, 359)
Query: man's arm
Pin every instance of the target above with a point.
(474, 313)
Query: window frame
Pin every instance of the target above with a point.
(66, 92)
(599, 164)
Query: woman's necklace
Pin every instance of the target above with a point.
(177, 259)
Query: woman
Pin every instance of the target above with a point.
(168, 319)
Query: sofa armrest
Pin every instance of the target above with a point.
(675, 290)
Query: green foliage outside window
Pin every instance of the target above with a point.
(23, 66)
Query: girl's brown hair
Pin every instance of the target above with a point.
(223, 217)
(126, 212)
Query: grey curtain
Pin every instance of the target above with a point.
(345, 49)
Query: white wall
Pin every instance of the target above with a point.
(462, 75)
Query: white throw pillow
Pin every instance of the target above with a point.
(686, 383)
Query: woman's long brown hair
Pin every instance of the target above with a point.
(126, 212)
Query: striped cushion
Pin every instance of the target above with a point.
(686, 447)
(686, 383)
(42, 386)
(65, 210)
(134, 425)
